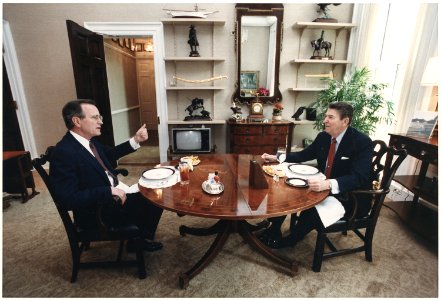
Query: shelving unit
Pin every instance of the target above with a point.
(333, 63)
(196, 68)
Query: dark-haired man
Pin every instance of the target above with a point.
(344, 155)
(82, 175)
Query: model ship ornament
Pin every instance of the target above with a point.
(196, 13)
(324, 9)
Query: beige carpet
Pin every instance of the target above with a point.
(144, 155)
(37, 262)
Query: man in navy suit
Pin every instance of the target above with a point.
(350, 170)
(82, 176)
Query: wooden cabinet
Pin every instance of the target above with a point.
(257, 138)
(421, 213)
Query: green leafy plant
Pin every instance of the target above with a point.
(370, 106)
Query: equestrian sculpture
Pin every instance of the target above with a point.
(320, 44)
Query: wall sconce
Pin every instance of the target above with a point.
(149, 47)
(431, 72)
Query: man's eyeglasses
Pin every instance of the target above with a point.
(96, 117)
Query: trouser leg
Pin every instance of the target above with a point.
(143, 213)
(308, 221)
(276, 225)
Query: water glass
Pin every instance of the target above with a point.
(281, 154)
(184, 172)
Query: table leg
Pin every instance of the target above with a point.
(224, 227)
(216, 228)
(250, 238)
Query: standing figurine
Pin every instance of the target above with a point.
(193, 41)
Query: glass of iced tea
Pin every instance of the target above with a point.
(184, 172)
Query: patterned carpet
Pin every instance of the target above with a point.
(37, 262)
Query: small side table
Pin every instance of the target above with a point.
(17, 174)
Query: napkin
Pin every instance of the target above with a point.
(330, 210)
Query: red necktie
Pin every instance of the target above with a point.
(98, 158)
(331, 155)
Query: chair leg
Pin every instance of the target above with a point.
(120, 250)
(140, 260)
(318, 253)
(368, 245)
(75, 265)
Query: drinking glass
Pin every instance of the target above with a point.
(184, 172)
(281, 154)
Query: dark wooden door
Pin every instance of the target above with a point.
(89, 66)
(12, 139)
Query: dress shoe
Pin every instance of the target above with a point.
(145, 245)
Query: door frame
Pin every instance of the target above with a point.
(137, 29)
(16, 83)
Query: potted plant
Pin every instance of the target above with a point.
(370, 106)
(277, 111)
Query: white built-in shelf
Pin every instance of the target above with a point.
(192, 21)
(189, 88)
(320, 25)
(179, 122)
(303, 122)
(186, 58)
(320, 61)
(305, 89)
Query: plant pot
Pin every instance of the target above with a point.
(277, 117)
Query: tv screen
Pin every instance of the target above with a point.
(191, 139)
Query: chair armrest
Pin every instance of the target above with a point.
(123, 172)
(353, 197)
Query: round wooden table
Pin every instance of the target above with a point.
(237, 203)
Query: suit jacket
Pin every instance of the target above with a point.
(352, 162)
(78, 180)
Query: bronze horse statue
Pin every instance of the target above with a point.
(321, 44)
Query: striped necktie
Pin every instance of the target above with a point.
(331, 155)
(98, 158)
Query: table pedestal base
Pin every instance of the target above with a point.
(223, 228)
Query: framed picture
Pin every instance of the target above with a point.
(249, 82)
(423, 124)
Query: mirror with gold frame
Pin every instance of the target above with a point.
(258, 46)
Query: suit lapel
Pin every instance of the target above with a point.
(88, 157)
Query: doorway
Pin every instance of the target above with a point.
(131, 83)
(147, 29)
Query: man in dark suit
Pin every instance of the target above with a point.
(82, 176)
(347, 169)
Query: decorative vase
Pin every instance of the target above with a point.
(277, 117)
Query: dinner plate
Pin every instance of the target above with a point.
(296, 182)
(205, 187)
(303, 169)
(158, 173)
(194, 160)
(271, 171)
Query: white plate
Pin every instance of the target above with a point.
(303, 169)
(158, 173)
(296, 182)
(205, 185)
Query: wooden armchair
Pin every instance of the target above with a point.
(384, 175)
(80, 239)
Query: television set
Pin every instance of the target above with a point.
(191, 140)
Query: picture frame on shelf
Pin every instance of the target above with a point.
(249, 82)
